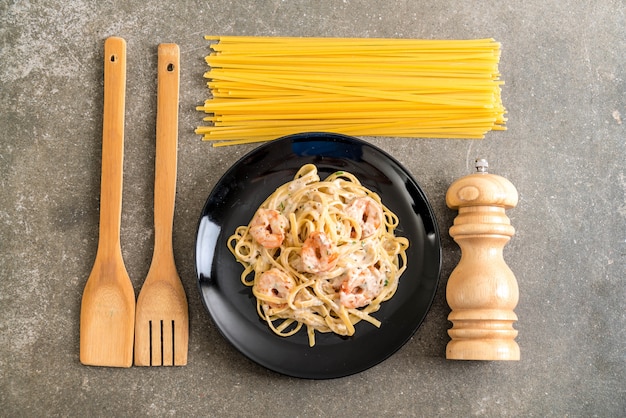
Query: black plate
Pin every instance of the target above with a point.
(231, 305)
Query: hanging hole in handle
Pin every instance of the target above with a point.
(170, 67)
(113, 58)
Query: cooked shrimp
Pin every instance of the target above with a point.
(368, 213)
(276, 284)
(319, 253)
(268, 228)
(360, 286)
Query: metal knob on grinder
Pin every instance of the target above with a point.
(482, 291)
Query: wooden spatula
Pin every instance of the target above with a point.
(107, 313)
(162, 320)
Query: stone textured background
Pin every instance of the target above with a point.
(565, 151)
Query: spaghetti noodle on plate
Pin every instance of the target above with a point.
(320, 254)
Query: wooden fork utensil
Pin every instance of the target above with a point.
(162, 317)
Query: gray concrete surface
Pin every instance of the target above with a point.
(563, 64)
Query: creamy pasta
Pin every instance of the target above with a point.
(320, 254)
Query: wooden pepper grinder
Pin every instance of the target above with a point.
(482, 290)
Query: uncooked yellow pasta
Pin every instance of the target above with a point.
(320, 254)
(263, 88)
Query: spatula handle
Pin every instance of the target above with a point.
(166, 145)
(112, 143)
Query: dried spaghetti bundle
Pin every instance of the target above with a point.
(266, 87)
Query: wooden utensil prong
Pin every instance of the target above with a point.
(162, 318)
